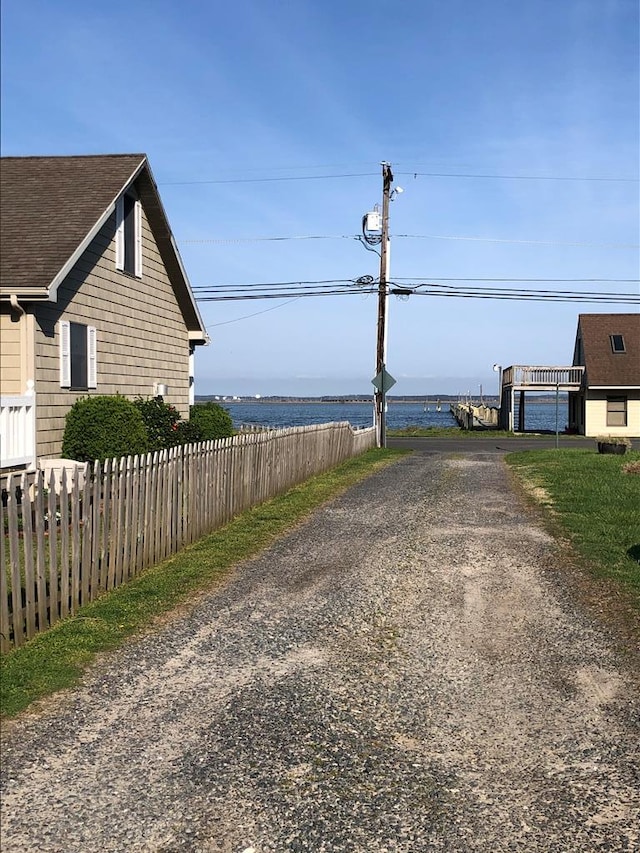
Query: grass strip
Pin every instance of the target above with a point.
(590, 498)
(57, 658)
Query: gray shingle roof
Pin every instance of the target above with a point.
(603, 366)
(49, 205)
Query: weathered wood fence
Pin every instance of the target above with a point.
(67, 542)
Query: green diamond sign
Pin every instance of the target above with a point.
(383, 381)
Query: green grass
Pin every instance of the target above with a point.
(588, 497)
(57, 658)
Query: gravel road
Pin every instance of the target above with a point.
(403, 672)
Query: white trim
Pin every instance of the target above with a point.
(197, 337)
(119, 237)
(137, 213)
(613, 387)
(64, 330)
(92, 362)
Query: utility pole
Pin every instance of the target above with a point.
(383, 296)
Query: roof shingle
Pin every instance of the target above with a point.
(49, 205)
(603, 366)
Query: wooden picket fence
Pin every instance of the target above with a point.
(68, 541)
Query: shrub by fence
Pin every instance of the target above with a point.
(66, 543)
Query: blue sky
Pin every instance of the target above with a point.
(222, 96)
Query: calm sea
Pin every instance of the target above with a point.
(539, 415)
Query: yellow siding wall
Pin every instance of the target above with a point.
(11, 370)
(596, 414)
(140, 330)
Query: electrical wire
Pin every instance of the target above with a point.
(519, 177)
(413, 173)
(275, 239)
(589, 280)
(530, 297)
(525, 242)
(268, 180)
(255, 314)
(298, 295)
(433, 289)
(231, 240)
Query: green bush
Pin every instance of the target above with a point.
(103, 427)
(188, 433)
(161, 421)
(212, 421)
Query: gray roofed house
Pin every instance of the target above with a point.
(94, 297)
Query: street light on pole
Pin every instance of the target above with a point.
(498, 369)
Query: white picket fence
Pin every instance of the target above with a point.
(68, 540)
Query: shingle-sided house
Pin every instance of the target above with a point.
(608, 403)
(94, 298)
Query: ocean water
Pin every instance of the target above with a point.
(539, 416)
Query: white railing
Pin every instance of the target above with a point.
(18, 431)
(533, 375)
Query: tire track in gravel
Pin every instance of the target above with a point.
(401, 673)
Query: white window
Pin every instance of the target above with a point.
(617, 411)
(78, 357)
(617, 343)
(129, 235)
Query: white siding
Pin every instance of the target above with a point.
(596, 413)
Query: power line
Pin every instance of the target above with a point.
(576, 293)
(589, 280)
(415, 174)
(265, 284)
(223, 240)
(527, 242)
(268, 180)
(519, 177)
(431, 289)
(274, 239)
(531, 297)
(255, 314)
(368, 281)
(299, 294)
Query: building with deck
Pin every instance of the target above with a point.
(602, 383)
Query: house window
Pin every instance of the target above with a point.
(617, 411)
(78, 363)
(129, 235)
(617, 343)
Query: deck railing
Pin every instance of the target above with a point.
(18, 431)
(535, 375)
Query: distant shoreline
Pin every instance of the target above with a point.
(351, 401)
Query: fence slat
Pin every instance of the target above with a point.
(96, 520)
(14, 558)
(135, 512)
(54, 569)
(29, 572)
(64, 546)
(5, 624)
(41, 578)
(75, 542)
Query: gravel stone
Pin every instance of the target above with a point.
(406, 671)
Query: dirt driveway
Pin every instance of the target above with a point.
(404, 672)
